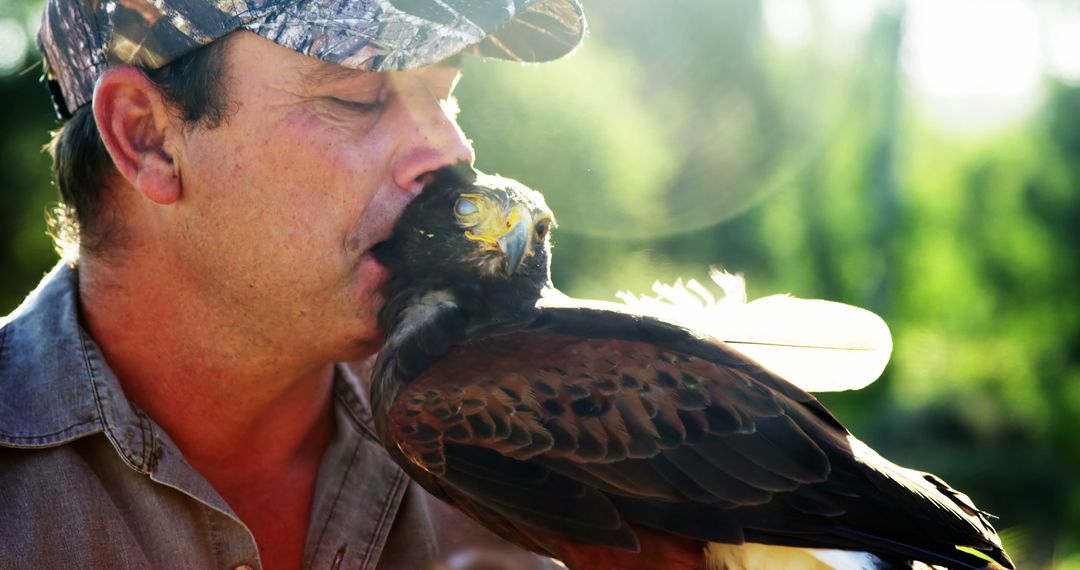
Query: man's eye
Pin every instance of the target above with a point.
(359, 106)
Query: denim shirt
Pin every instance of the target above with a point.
(88, 480)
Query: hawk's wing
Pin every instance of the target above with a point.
(584, 422)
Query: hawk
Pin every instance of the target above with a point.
(607, 438)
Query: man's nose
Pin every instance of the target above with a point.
(431, 139)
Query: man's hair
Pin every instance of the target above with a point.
(195, 88)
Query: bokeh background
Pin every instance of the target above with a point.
(918, 158)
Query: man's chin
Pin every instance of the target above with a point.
(373, 272)
(360, 335)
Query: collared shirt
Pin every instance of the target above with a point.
(88, 480)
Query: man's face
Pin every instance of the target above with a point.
(282, 203)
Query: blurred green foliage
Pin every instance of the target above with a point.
(679, 139)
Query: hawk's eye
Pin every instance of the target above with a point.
(465, 208)
(542, 227)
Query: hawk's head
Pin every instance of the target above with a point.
(472, 229)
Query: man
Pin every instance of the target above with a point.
(173, 397)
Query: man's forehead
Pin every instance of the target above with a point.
(314, 71)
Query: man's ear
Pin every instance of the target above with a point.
(136, 127)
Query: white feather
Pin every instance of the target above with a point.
(846, 559)
(750, 556)
(820, 346)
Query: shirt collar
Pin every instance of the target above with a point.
(55, 386)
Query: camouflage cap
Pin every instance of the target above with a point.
(81, 38)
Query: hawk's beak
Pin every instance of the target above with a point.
(514, 244)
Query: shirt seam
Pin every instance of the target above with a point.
(41, 438)
(334, 504)
(215, 534)
(149, 455)
(106, 426)
(357, 418)
(393, 498)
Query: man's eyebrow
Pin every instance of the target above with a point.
(321, 72)
(318, 72)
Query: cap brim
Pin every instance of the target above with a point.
(543, 32)
(394, 35)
